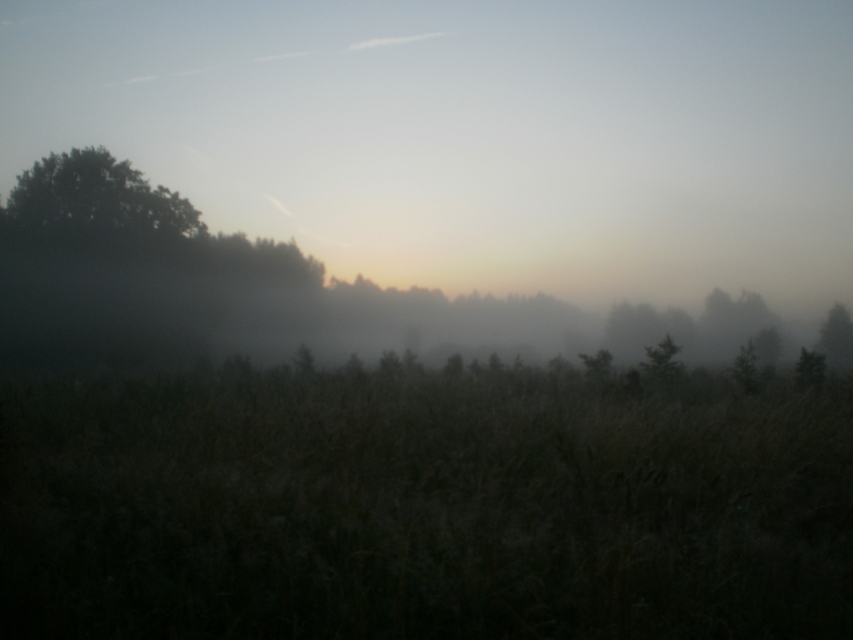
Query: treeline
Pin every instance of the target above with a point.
(434, 327)
(661, 375)
(125, 305)
(97, 268)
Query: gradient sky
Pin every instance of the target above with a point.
(595, 151)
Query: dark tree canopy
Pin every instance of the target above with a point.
(89, 189)
(101, 268)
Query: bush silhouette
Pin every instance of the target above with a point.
(745, 370)
(661, 367)
(598, 367)
(811, 368)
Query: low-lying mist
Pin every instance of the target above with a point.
(113, 302)
(97, 269)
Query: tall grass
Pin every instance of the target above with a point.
(232, 502)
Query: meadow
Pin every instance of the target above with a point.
(511, 502)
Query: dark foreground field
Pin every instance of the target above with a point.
(236, 503)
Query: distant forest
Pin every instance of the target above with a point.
(98, 269)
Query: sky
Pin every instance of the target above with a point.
(594, 151)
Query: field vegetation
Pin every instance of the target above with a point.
(479, 501)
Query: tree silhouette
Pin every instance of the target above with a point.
(411, 364)
(811, 368)
(745, 370)
(390, 367)
(661, 366)
(496, 367)
(455, 366)
(628, 327)
(304, 362)
(101, 268)
(88, 189)
(768, 346)
(354, 369)
(598, 367)
(728, 323)
(836, 338)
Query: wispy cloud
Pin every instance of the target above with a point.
(278, 205)
(177, 74)
(207, 164)
(200, 160)
(322, 239)
(358, 46)
(193, 72)
(135, 80)
(282, 56)
(388, 42)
